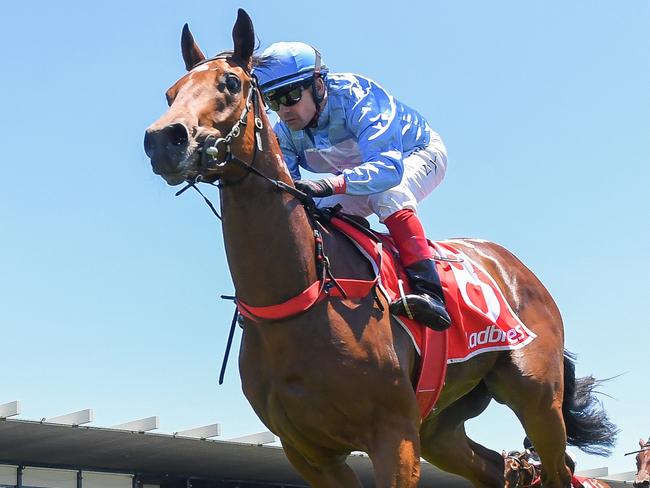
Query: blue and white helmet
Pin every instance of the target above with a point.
(287, 63)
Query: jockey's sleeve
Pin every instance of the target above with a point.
(288, 149)
(374, 120)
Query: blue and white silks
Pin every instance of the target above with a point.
(363, 132)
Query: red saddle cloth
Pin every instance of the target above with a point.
(481, 318)
(582, 482)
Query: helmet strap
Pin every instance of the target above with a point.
(318, 99)
(317, 70)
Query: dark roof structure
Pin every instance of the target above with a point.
(166, 459)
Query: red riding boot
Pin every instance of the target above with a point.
(427, 303)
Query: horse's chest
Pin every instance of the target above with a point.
(312, 383)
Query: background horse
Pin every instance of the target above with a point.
(642, 478)
(520, 472)
(339, 377)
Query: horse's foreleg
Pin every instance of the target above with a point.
(445, 443)
(336, 474)
(395, 454)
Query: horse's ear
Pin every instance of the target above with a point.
(642, 443)
(243, 37)
(192, 54)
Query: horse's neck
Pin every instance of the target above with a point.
(269, 241)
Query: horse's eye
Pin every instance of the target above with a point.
(233, 84)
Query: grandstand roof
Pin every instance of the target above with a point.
(32, 443)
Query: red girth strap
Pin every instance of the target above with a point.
(327, 286)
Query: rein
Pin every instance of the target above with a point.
(326, 279)
(644, 448)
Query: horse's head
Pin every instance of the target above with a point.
(518, 471)
(642, 478)
(511, 470)
(205, 104)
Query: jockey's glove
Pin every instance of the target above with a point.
(321, 188)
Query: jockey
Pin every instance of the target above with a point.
(569, 457)
(384, 157)
(533, 457)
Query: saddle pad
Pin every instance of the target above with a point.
(482, 320)
(581, 481)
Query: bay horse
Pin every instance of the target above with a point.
(339, 377)
(642, 478)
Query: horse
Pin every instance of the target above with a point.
(519, 472)
(642, 477)
(338, 377)
(522, 472)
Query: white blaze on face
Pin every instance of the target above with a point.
(204, 67)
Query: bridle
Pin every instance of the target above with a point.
(210, 148)
(210, 162)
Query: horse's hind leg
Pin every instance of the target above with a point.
(336, 474)
(445, 443)
(536, 398)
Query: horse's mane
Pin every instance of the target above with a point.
(257, 59)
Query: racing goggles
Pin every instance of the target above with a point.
(288, 97)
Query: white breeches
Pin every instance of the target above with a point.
(424, 169)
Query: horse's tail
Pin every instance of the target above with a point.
(587, 425)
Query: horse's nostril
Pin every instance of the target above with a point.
(176, 134)
(171, 135)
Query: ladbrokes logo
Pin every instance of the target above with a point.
(494, 335)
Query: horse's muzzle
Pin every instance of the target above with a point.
(641, 482)
(167, 148)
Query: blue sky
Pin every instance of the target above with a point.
(110, 284)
